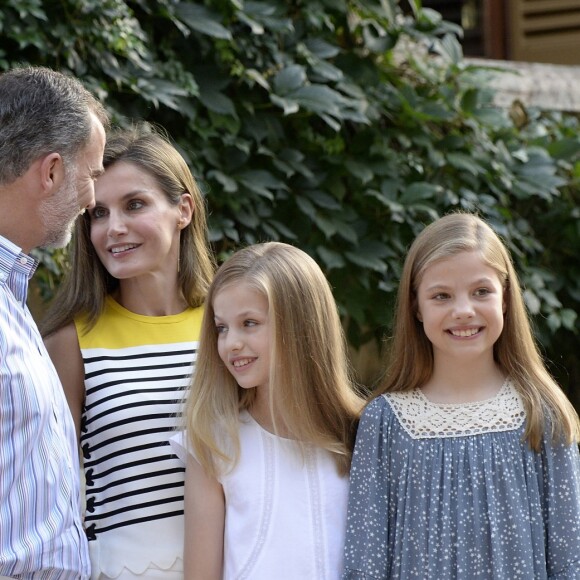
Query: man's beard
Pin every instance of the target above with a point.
(59, 213)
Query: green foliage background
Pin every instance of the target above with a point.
(340, 126)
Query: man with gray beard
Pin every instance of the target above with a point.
(52, 137)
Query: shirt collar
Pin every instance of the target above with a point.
(16, 269)
(13, 259)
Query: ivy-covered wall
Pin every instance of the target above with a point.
(340, 126)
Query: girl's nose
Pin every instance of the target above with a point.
(463, 308)
(233, 341)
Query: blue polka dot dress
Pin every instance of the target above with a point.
(442, 491)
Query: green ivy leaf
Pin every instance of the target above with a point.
(532, 302)
(289, 79)
(360, 170)
(364, 261)
(217, 102)
(465, 162)
(290, 106)
(568, 318)
(451, 49)
(418, 191)
(228, 184)
(323, 200)
(331, 259)
(306, 206)
(328, 226)
(202, 20)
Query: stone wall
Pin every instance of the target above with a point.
(546, 86)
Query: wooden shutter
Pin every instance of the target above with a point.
(545, 31)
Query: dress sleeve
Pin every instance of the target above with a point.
(178, 444)
(561, 509)
(367, 531)
(181, 446)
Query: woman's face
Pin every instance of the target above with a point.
(134, 229)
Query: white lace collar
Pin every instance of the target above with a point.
(423, 419)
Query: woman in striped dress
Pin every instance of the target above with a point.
(123, 333)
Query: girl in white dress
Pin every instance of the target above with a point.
(270, 424)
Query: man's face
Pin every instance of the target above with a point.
(59, 212)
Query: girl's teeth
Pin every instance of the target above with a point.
(241, 363)
(469, 332)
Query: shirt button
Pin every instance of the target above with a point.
(23, 261)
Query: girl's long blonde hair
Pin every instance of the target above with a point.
(310, 386)
(410, 359)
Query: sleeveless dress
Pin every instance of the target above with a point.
(452, 492)
(285, 510)
(137, 370)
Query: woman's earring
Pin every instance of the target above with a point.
(179, 222)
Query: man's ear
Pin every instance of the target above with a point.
(51, 173)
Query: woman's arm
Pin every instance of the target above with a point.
(64, 350)
(204, 524)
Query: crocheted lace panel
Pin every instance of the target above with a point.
(423, 419)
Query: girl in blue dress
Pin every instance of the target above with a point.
(466, 462)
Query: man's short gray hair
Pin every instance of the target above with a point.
(42, 111)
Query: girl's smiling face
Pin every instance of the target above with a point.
(243, 326)
(134, 228)
(460, 302)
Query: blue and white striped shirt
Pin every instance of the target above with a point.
(41, 534)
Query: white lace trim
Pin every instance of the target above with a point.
(423, 419)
